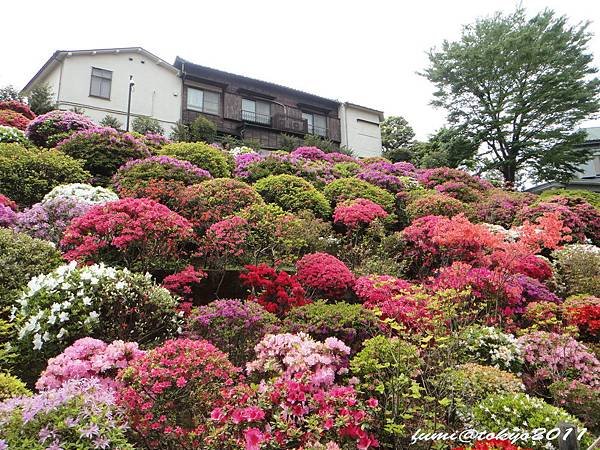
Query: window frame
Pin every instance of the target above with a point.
(311, 124)
(256, 114)
(203, 109)
(92, 76)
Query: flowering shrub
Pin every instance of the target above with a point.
(375, 289)
(488, 345)
(436, 205)
(520, 412)
(103, 150)
(165, 192)
(138, 172)
(293, 194)
(578, 399)
(224, 241)
(213, 200)
(502, 207)
(155, 141)
(444, 176)
(387, 181)
(352, 188)
(169, 393)
(552, 357)
(352, 324)
(8, 216)
(136, 233)
(235, 327)
(12, 135)
(86, 193)
(288, 355)
(584, 313)
(593, 198)
(5, 201)
(243, 161)
(49, 129)
(357, 213)
(205, 156)
(577, 269)
(87, 358)
(492, 444)
(276, 291)
(20, 258)
(11, 387)
(567, 215)
(27, 175)
(17, 106)
(109, 304)
(49, 219)
(182, 284)
(310, 153)
(324, 273)
(10, 118)
(81, 414)
(543, 316)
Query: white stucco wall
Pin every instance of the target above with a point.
(360, 130)
(157, 90)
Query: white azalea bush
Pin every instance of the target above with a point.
(490, 346)
(97, 301)
(12, 135)
(84, 193)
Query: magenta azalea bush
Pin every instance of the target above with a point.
(49, 129)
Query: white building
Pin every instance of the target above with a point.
(360, 129)
(97, 82)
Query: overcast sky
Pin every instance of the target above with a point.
(365, 52)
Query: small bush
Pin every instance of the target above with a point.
(22, 257)
(49, 129)
(577, 269)
(9, 118)
(19, 107)
(202, 155)
(136, 233)
(593, 198)
(502, 207)
(144, 125)
(235, 327)
(12, 135)
(436, 205)
(11, 387)
(353, 188)
(111, 122)
(293, 194)
(352, 324)
(136, 174)
(490, 346)
(200, 130)
(103, 150)
(357, 214)
(580, 400)
(27, 175)
(324, 274)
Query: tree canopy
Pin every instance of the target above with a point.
(396, 134)
(521, 86)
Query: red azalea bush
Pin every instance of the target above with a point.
(5, 201)
(276, 291)
(182, 284)
(166, 192)
(224, 242)
(585, 316)
(567, 215)
(379, 288)
(357, 213)
(492, 444)
(17, 106)
(11, 118)
(588, 214)
(325, 274)
(136, 233)
(455, 183)
(213, 200)
(534, 266)
(168, 394)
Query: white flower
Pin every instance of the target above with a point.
(61, 333)
(63, 316)
(46, 336)
(51, 319)
(37, 341)
(56, 307)
(87, 301)
(120, 285)
(94, 315)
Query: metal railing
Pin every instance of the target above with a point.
(251, 116)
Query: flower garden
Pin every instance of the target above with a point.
(172, 295)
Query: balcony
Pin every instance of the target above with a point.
(319, 131)
(254, 117)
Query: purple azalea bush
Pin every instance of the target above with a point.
(50, 128)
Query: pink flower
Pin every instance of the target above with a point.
(253, 437)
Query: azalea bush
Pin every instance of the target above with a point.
(103, 150)
(17, 106)
(26, 175)
(10, 134)
(86, 193)
(324, 274)
(49, 129)
(136, 233)
(489, 345)
(202, 155)
(136, 174)
(353, 188)
(436, 205)
(577, 269)
(81, 414)
(234, 326)
(357, 213)
(10, 118)
(169, 393)
(11, 387)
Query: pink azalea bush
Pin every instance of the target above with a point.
(49, 129)
(87, 358)
(379, 288)
(324, 273)
(358, 213)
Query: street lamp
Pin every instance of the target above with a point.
(131, 85)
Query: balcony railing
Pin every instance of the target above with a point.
(254, 117)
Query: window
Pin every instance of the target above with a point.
(317, 124)
(256, 111)
(100, 83)
(203, 101)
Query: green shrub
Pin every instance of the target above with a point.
(351, 188)
(10, 135)
(580, 400)
(144, 124)
(22, 257)
(26, 175)
(202, 155)
(112, 122)
(200, 130)
(436, 205)
(490, 346)
(103, 150)
(593, 198)
(524, 413)
(271, 165)
(346, 169)
(293, 194)
(577, 269)
(352, 324)
(11, 387)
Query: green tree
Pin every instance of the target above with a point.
(447, 147)
(112, 122)
(521, 86)
(396, 135)
(41, 99)
(9, 93)
(201, 129)
(145, 124)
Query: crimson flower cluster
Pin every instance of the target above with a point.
(324, 273)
